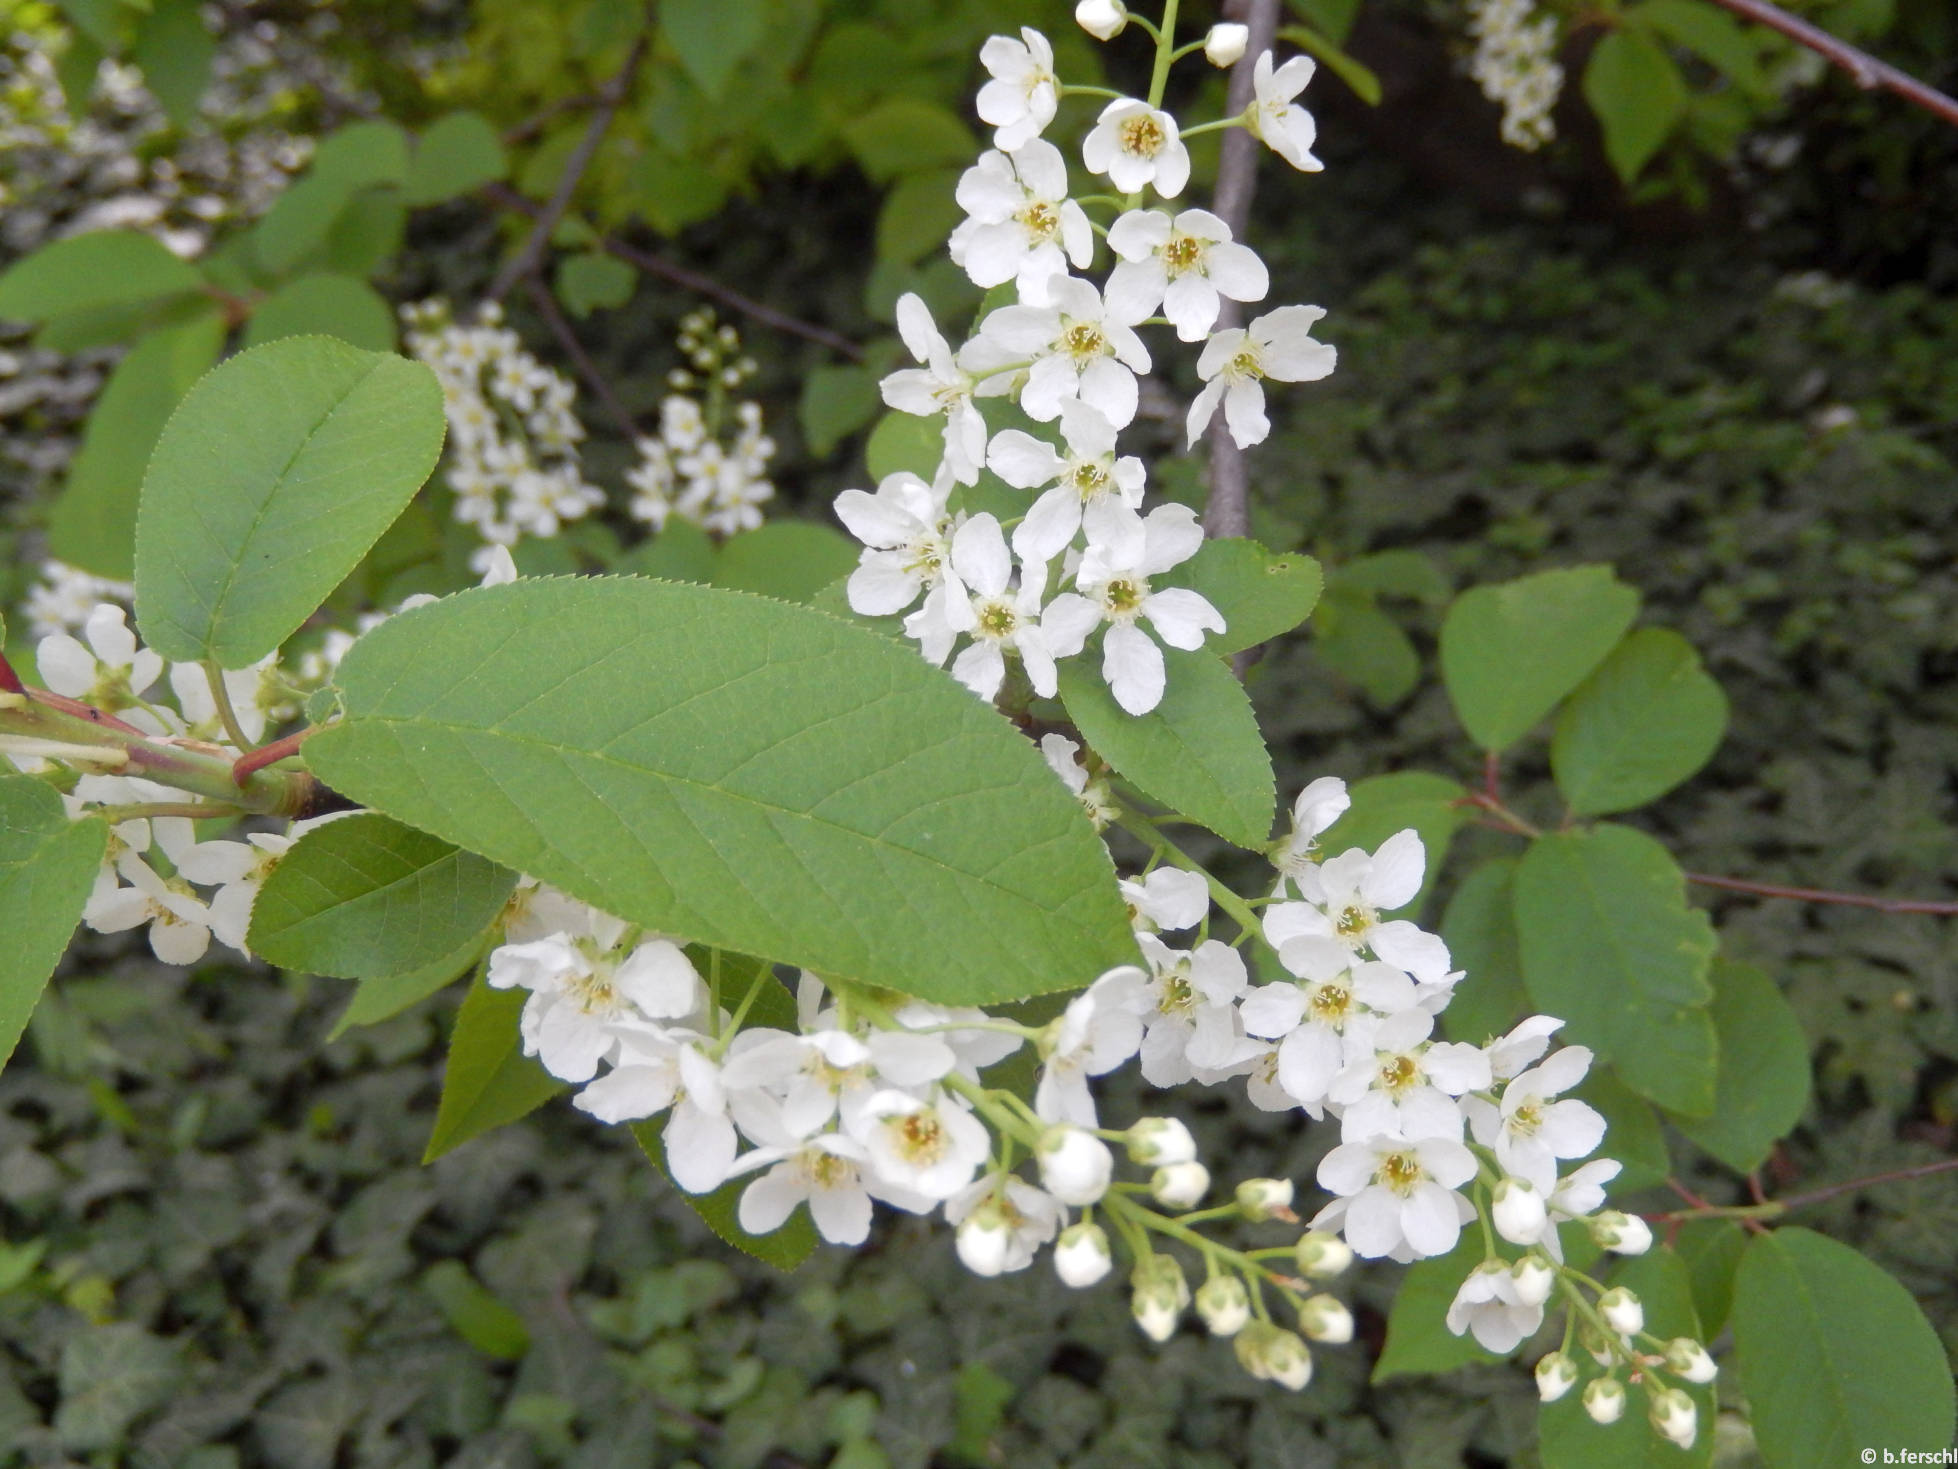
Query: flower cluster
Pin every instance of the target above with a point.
(1515, 63)
(692, 469)
(63, 598)
(1085, 564)
(513, 439)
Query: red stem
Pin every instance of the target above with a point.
(9, 680)
(1820, 895)
(269, 754)
(1869, 73)
(1901, 1175)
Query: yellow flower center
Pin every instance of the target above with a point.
(1400, 1172)
(1124, 595)
(998, 620)
(1398, 1073)
(1352, 922)
(1083, 340)
(1040, 219)
(1089, 480)
(1526, 1119)
(1141, 137)
(1330, 1004)
(1181, 253)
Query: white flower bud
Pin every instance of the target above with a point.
(1604, 1400)
(1225, 44)
(1518, 1211)
(1273, 1354)
(1556, 1375)
(1623, 1234)
(1224, 1305)
(983, 1240)
(1322, 1256)
(1159, 1297)
(1690, 1360)
(1674, 1416)
(1325, 1318)
(1259, 1199)
(1534, 1279)
(1075, 1166)
(1102, 19)
(1081, 1255)
(1181, 1185)
(1157, 1142)
(1622, 1311)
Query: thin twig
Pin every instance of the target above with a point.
(1820, 895)
(540, 297)
(1868, 72)
(531, 126)
(1227, 512)
(1901, 1175)
(271, 754)
(525, 261)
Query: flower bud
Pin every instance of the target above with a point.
(1157, 1142)
(1623, 1234)
(1259, 1199)
(1690, 1360)
(1160, 1294)
(1326, 1319)
(1622, 1311)
(1675, 1416)
(1075, 1165)
(983, 1239)
(1534, 1279)
(1322, 1256)
(1225, 44)
(1181, 1185)
(1518, 1211)
(1081, 1255)
(1102, 19)
(1273, 1354)
(1224, 1305)
(1604, 1400)
(1556, 1375)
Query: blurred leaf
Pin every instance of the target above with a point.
(917, 214)
(1357, 75)
(1712, 1249)
(789, 559)
(785, 1249)
(1366, 647)
(594, 281)
(324, 305)
(835, 403)
(110, 1376)
(386, 996)
(1479, 927)
(479, 1318)
(90, 273)
(909, 135)
(175, 52)
(1419, 1342)
(1638, 96)
(904, 441)
(1763, 1086)
(1711, 34)
(1637, 1139)
(455, 155)
(711, 37)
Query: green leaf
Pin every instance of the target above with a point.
(270, 482)
(1479, 927)
(487, 1081)
(47, 868)
(100, 20)
(1510, 652)
(711, 37)
(455, 155)
(1637, 1139)
(790, 559)
(386, 996)
(1763, 1086)
(1262, 596)
(1385, 804)
(362, 155)
(91, 273)
(1835, 1356)
(1198, 751)
(1419, 1342)
(1348, 68)
(594, 281)
(785, 1249)
(477, 1315)
(326, 305)
(92, 524)
(754, 775)
(908, 135)
(1648, 718)
(904, 441)
(917, 214)
(1365, 646)
(111, 1376)
(835, 403)
(1638, 95)
(1710, 34)
(367, 234)
(680, 552)
(1610, 946)
(1332, 17)
(296, 225)
(175, 53)
(365, 896)
(1712, 1250)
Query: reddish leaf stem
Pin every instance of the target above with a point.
(1867, 71)
(1821, 895)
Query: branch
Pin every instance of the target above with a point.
(1821, 895)
(1227, 512)
(525, 261)
(1868, 72)
(507, 198)
(540, 296)
(1901, 1175)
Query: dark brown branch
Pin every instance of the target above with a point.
(1821, 895)
(525, 261)
(1901, 1175)
(531, 126)
(540, 296)
(1869, 73)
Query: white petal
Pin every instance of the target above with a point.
(1180, 616)
(1133, 666)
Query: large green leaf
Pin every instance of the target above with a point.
(47, 867)
(1835, 1356)
(1647, 719)
(1385, 804)
(1479, 927)
(365, 897)
(90, 273)
(1510, 652)
(1638, 96)
(1198, 752)
(785, 1249)
(1763, 1086)
(1262, 596)
(270, 482)
(751, 774)
(93, 523)
(487, 1081)
(1609, 945)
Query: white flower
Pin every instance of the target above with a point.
(1622, 1234)
(1082, 1256)
(1273, 1354)
(1059, 752)
(1168, 898)
(110, 671)
(1159, 1141)
(1519, 1212)
(1224, 1305)
(1351, 891)
(1396, 1080)
(180, 923)
(1073, 347)
(1509, 1054)
(1235, 363)
(1099, 1030)
(1283, 126)
(1622, 1311)
(1604, 1400)
(938, 387)
(1675, 1416)
(1225, 43)
(234, 868)
(825, 1172)
(1185, 266)
(1397, 1195)
(999, 619)
(1022, 226)
(579, 992)
(1556, 1375)
(931, 1148)
(1089, 484)
(1534, 1278)
(1316, 807)
(1322, 1256)
(654, 1071)
(1021, 98)
(1102, 19)
(1180, 1185)
(1530, 1133)
(1075, 1165)
(907, 542)
(1690, 1360)
(1112, 585)
(1159, 1295)
(1311, 1019)
(1027, 1217)
(1189, 1011)
(1137, 147)
(1487, 1306)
